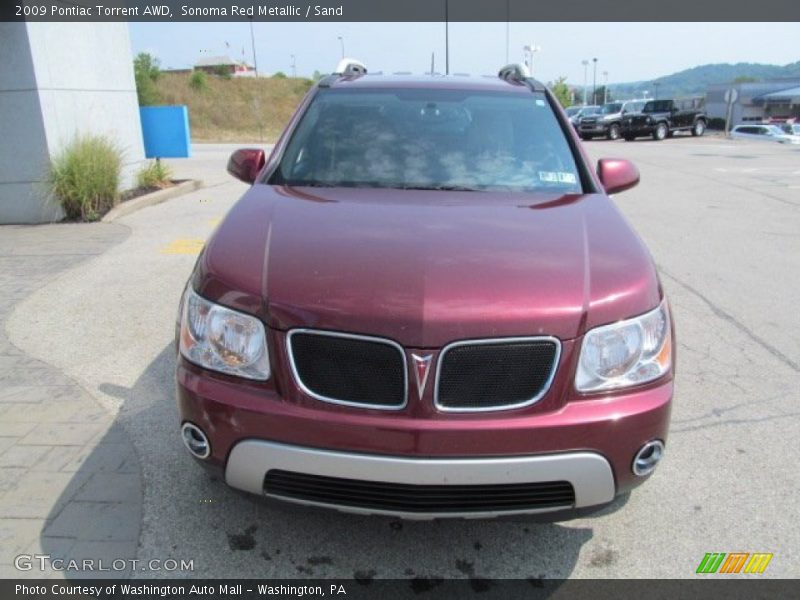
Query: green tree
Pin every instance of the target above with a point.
(279, 75)
(561, 91)
(146, 72)
(198, 81)
(317, 75)
(745, 79)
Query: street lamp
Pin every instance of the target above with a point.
(530, 50)
(594, 82)
(294, 66)
(585, 64)
(341, 43)
(605, 87)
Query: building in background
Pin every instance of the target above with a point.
(775, 100)
(59, 81)
(224, 64)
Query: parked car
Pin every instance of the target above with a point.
(791, 128)
(582, 111)
(771, 133)
(661, 118)
(426, 305)
(607, 122)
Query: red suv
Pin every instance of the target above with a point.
(426, 305)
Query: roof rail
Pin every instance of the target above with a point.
(350, 66)
(520, 74)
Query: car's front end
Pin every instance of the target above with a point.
(427, 350)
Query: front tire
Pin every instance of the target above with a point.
(660, 132)
(699, 128)
(613, 132)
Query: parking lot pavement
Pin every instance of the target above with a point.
(722, 220)
(59, 494)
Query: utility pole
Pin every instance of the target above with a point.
(253, 43)
(655, 93)
(585, 64)
(530, 50)
(508, 19)
(605, 87)
(446, 37)
(294, 66)
(341, 43)
(594, 82)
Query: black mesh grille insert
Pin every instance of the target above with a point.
(419, 498)
(350, 369)
(496, 374)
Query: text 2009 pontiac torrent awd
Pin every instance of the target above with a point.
(426, 305)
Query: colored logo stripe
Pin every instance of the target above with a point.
(711, 562)
(734, 562)
(758, 563)
(753, 563)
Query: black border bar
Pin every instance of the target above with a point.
(742, 587)
(401, 10)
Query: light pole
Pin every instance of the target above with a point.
(446, 37)
(605, 87)
(594, 82)
(341, 43)
(294, 66)
(585, 64)
(655, 90)
(253, 43)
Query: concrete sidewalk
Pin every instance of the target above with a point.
(58, 495)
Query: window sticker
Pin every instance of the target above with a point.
(557, 177)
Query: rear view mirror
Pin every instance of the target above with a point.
(617, 174)
(246, 163)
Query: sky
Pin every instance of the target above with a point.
(627, 51)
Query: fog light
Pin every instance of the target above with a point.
(648, 457)
(195, 440)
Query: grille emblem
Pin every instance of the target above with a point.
(421, 368)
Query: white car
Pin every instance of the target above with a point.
(764, 132)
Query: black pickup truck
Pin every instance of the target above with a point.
(661, 118)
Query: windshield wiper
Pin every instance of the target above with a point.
(441, 188)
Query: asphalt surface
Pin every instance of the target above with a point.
(722, 220)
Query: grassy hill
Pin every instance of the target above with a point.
(237, 109)
(695, 81)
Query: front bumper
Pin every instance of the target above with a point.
(594, 129)
(589, 442)
(589, 474)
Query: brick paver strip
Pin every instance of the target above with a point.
(70, 484)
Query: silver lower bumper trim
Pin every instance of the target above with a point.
(590, 474)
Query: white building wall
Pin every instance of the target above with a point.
(64, 80)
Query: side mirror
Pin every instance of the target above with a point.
(617, 174)
(245, 164)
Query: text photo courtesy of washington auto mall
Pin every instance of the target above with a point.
(382, 299)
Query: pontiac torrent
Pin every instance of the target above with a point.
(426, 305)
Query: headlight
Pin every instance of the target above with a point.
(222, 339)
(626, 353)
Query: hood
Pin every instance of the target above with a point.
(425, 268)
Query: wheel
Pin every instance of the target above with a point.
(699, 128)
(660, 132)
(628, 138)
(613, 132)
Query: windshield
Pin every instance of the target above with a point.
(610, 109)
(429, 139)
(775, 130)
(573, 110)
(590, 110)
